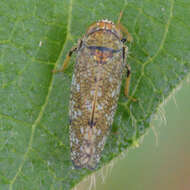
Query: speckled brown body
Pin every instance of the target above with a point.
(94, 91)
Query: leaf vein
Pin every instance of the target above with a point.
(2, 115)
(151, 58)
(36, 122)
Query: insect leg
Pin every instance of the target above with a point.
(127, 83)
(128, 77)
(66, 61)
(127, 80)
(123, 28)
(125, 31)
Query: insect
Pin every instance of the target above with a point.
(95, 89)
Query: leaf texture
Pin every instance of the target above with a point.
(35, 36)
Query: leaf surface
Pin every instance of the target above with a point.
(35, 36)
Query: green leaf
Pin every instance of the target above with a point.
(35, 36)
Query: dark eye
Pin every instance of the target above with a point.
(123, 40)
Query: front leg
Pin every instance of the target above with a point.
(123, 28)
(67, 59)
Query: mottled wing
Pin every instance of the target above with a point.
(94, 94)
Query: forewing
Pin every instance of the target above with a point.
(94, 94)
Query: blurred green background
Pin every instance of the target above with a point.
(162, 161)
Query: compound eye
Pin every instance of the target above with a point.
(123, 40)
